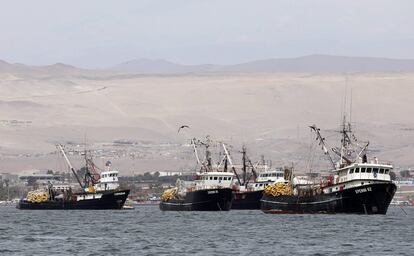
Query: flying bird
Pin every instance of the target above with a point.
(182, 127)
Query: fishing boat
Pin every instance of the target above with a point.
(248, 195)
(356, 184)
(249, 184)
(97, 191)
(210, 191)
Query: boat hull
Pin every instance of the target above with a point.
(108, 200)
(248, 200)
(368, 199)
(201, 200)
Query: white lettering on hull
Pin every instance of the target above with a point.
(363, 190)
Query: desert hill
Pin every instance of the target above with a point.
(311, 63)
(134, 117)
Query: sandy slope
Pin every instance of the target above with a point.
(268, 112)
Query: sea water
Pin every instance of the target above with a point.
(148, 231)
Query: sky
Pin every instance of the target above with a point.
(102, 33)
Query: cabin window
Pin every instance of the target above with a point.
(211, 178)
(215, 178)
(387, 171)
(220, 178)
(381, 171)
(375, 170)
(369, 170)
(357, 170)
(362, 170)
(351, 171)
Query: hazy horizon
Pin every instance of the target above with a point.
(100, 34)
(254, 103)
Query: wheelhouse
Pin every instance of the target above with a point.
(108, 181)
(357, 175)
(271, 176)
(215, 180)
(364, 171)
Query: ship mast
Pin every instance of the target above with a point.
(207, 162)
(59, 146)
(193, 143)
(91, 175)
(231, 163)
(244, 164)
(246, 160)
(322, 142)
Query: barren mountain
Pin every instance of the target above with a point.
(135, 118)
(311, 63)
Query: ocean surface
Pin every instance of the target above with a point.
(148, 231)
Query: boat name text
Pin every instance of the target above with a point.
(362, 190)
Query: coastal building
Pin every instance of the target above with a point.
(12, 179)
(41, 177)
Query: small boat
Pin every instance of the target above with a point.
(99, 191)
(128, 207)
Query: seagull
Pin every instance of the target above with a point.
(182, 126)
